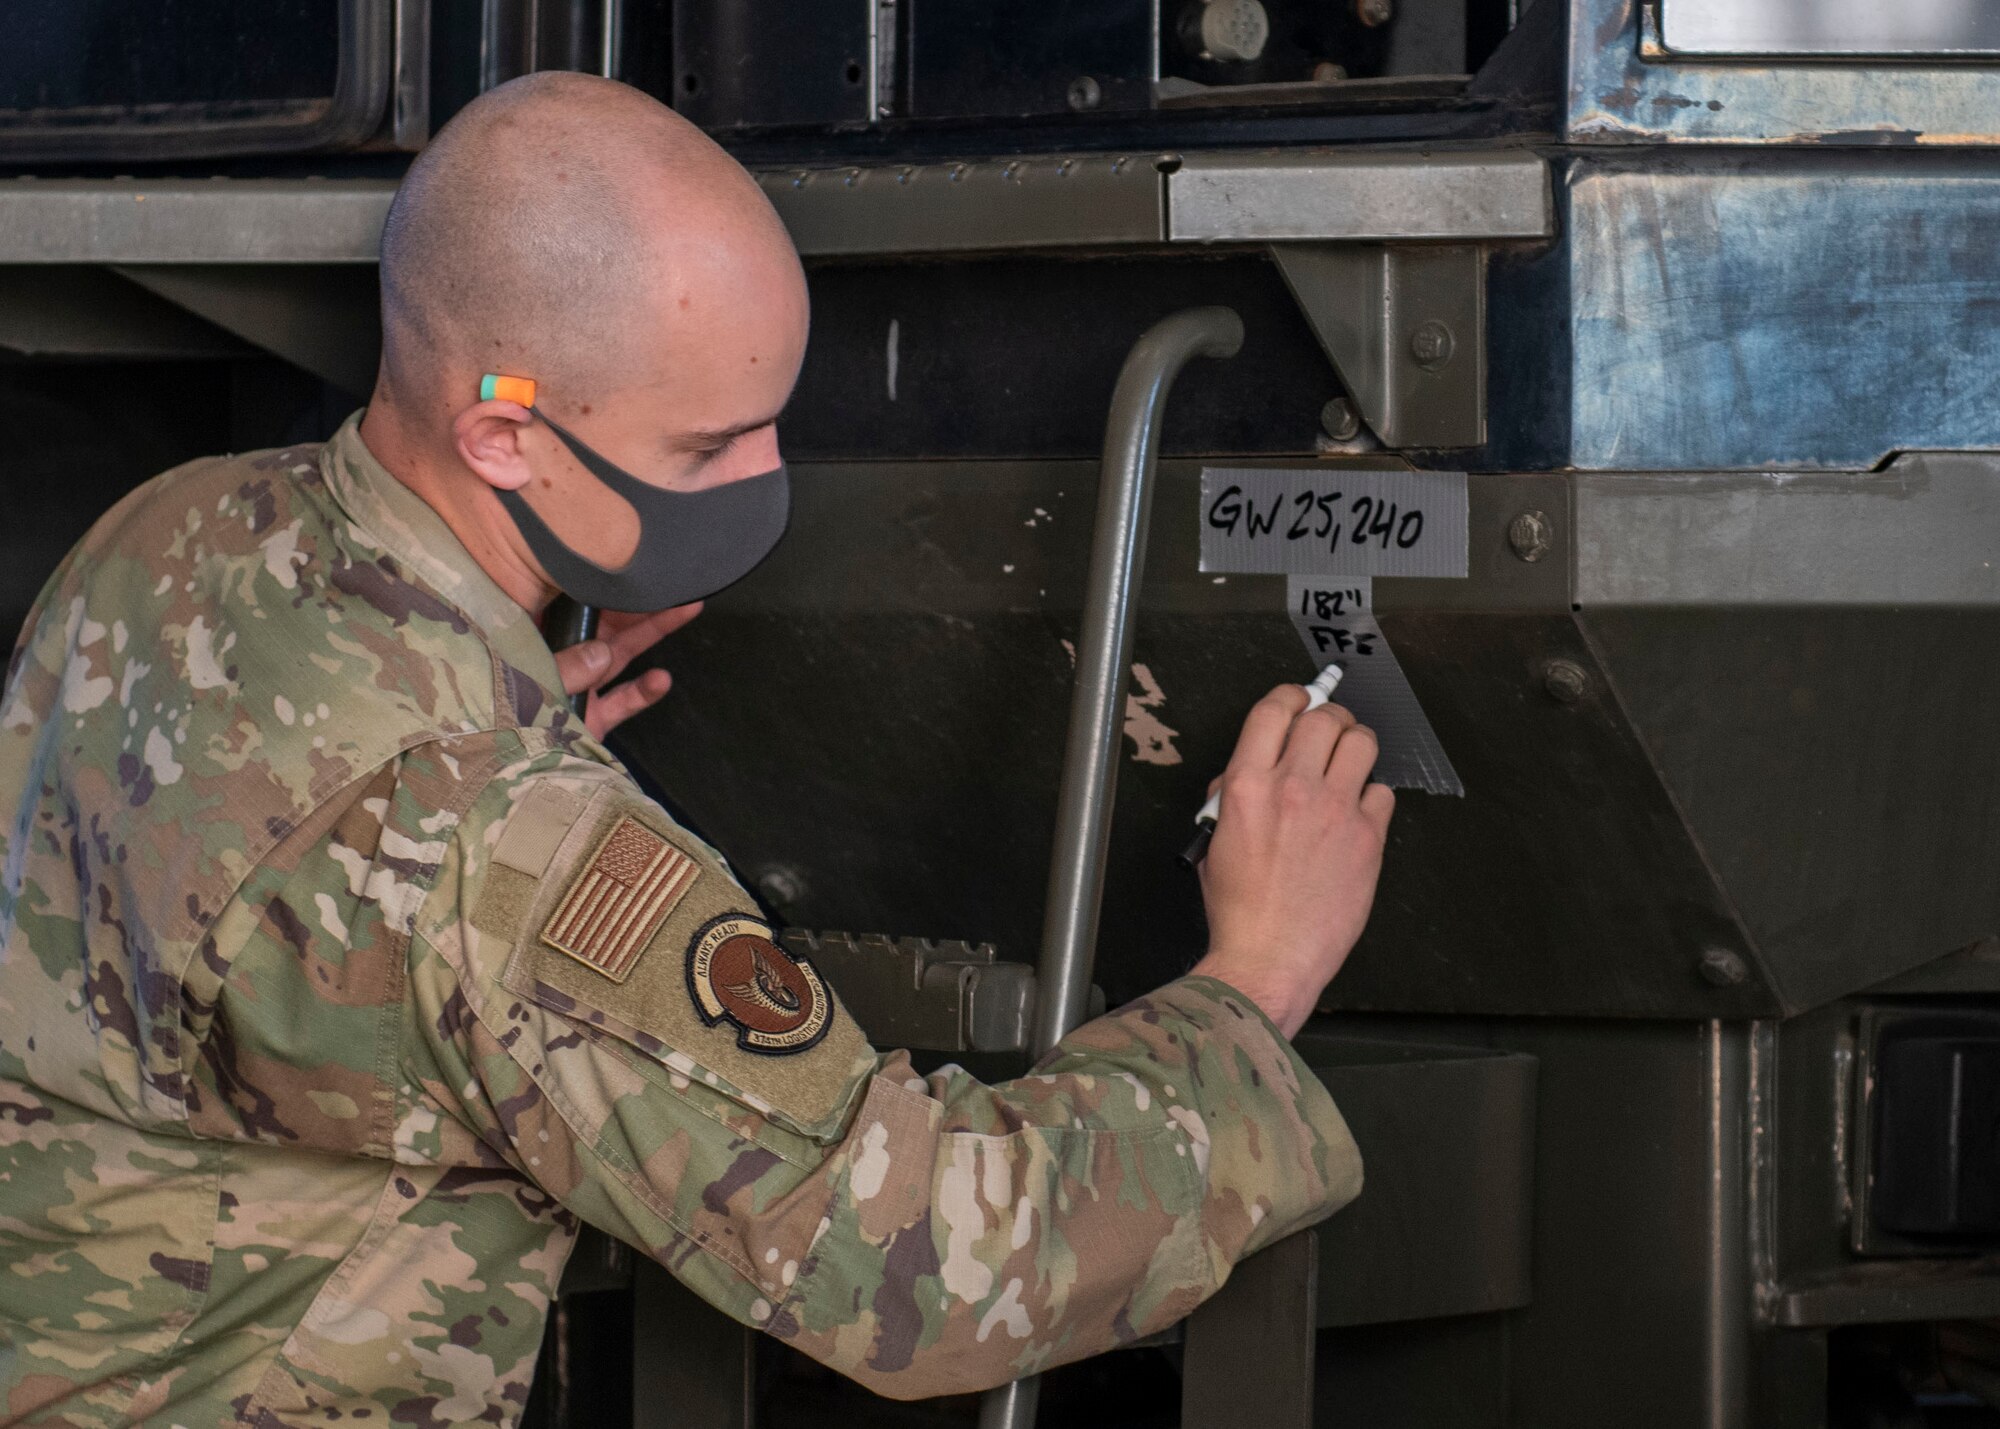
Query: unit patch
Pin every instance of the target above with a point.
(626, 891)
(738, 974)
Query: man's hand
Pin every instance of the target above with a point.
(1290, 873)
(596, 662)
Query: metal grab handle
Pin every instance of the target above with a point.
(1097, 701)
(572, 623)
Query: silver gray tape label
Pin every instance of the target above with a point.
(1333, 521)
(1337, 622)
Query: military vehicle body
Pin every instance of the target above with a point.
(1673, 1045)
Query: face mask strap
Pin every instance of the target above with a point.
(498, 386)
(718, 535)
(608, 472)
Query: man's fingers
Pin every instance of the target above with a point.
(614, 706)
(630, 636)
(1353, 758)
(1310, 741)
(1263, 737)
(584, 667)
(1378, 802)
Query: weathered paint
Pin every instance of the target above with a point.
(1789, 311)
(1624, 88)
(1152, 740)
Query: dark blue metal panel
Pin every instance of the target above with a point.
(1794, 310)
(1625, 87)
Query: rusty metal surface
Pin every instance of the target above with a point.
(1782, 310)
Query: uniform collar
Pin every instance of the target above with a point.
(403, 524)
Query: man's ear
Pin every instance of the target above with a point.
(488, 437)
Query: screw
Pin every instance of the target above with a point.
(1327, 72)
(1374, 12)
(1431, 345)
(1530, 535)
(1085, 93)
(1565, 681)
(1721, 968)
(1341, 421)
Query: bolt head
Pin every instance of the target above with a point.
(1340, 420)
(1085, 93)
(1719, 967)
(1432, 345)
(1234, 30)
(1374, 12)
(1565, 681)
(1531, 534)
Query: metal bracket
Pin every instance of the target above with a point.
(322, 318)
(89, 312)
(1262, 1317)
(1405, 327)
(930, 995)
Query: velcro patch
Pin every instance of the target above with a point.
(704, 993)
(624, 893)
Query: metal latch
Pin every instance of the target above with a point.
(930, 995)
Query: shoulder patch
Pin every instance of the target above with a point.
(634, 927)
(612, 908)
(737, 973)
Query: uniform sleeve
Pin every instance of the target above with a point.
(599, 1002)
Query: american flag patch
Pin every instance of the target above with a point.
(626, 891)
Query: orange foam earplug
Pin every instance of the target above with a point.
(494, 387)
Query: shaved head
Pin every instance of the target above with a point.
(571, 230)
(534, 233)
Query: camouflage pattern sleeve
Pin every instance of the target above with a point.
(600, 1002)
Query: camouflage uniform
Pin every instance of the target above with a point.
(344, 974)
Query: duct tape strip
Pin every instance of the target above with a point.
(1336, 620)
(1333, 521)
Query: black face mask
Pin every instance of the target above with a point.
(691, 543)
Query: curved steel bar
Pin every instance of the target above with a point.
(1103, 656)
(1011, 1406)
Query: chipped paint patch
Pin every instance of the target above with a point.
(1153, 742)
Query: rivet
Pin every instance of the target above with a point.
(1432, 344)
(1565, 681)
(1531, 534)
(1340, 420)
(1721, 968)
